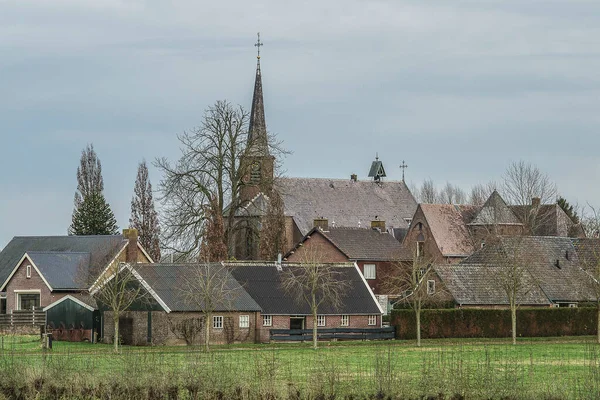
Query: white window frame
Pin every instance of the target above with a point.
(373, 268)
(372, 320)
(345, 320)
(244, 321)
(430, 286)
(321, 320)
(28, 271)
(20, 292)
(267, 320)
(217, 322)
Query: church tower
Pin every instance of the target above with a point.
(257, 162)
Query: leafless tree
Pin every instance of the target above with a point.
(210, 287)
(118, 289)
(315, 284)
(588, 251)
(590, 221)
(273, 235)
(210, 170)
(523, 182)
(144, 217)
(480, 193)
(451, 194)
(414, 285)
(428, 193)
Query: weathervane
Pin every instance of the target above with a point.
(403, 166)
(257, 45)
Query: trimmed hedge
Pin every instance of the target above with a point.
(473, 323)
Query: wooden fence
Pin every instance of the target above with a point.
(23, 318)
(333, 334)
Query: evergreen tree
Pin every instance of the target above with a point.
(94, 217)
(568, 209)
(92, 214)
(143, 214)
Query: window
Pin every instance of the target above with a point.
(218, 322)
(369, 271)
(420, 226)
(320, 320)
(345, 320)
(28, 301)
(372, 319)
(28, 273)
(431, 287)
(420, 249)
(244, 321)
(267, 320)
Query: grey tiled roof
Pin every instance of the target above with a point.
(367, 244)
(346, 202)
(62, 270)
(495, 212)
(552, 262)
(100, 248)
(173, 282)
(475, 284)
(263, 283)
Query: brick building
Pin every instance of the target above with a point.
(259, 304)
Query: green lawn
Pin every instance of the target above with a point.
(485, 368)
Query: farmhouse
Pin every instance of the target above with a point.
(256, 303)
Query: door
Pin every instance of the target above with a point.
(126, 330)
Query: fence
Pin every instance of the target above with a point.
(23, 318)
(333, 334)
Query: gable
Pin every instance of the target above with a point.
(447, 226)
(36, 279)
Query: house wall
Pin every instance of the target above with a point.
(384, 270)
(331, 321)
(432, 251)
(317, 249)
(163, 334)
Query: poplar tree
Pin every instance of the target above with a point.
(144, 217)
(92, 214)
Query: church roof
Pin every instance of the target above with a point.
(257, 131)
(345, 202)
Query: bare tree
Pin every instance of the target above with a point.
(273, 235)
(480, 193)
(316, 284)
(212, 247)
(144, 217)
(415, 286)
(211, 169)
(118, 289)
(210, 287)
(428, 193)
(451, 194)
(522, 182)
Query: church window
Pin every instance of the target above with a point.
(420, 249)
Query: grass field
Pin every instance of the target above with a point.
(536, 368)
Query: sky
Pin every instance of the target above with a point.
(458, 90)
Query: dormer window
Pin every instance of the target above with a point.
(28, 271)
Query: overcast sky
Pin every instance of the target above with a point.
(457, 89)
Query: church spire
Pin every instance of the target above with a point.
(257, 132)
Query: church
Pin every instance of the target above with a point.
(341, 202)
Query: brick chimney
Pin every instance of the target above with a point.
(377, 224)
(353, 177)
(535, 202)
(131, 255)
(322, 223)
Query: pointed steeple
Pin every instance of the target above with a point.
(257, 132)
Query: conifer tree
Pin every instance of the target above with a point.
(92, 214)
(143, 214)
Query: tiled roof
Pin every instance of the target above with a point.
(346, 202)
(475, 284)
(62, 270)
(495, 212)
(101, 250)
(447, 225)
(263, 283)
(367, 244)
(552, 262)
(172, 283)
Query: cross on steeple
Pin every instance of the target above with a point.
(257, 45)
(403, 166)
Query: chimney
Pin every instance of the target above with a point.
(321, 223)
(535, 202)
(131, 235)
(353, 177)
(377, 224)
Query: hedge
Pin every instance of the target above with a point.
(472, 323)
